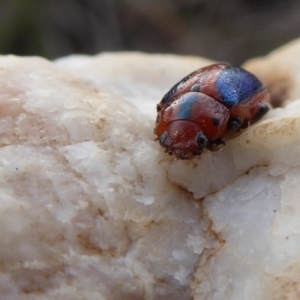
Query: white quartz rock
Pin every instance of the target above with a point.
(87, 210)
(249, 189)
(92, 207)
(138, 78)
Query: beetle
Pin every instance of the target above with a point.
(207, 105)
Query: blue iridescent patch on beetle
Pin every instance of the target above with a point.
(186, 105)
(237, 86)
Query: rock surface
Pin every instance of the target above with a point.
(92, 208)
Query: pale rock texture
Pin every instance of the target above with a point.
(92, 208)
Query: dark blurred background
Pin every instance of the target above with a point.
(223, 30)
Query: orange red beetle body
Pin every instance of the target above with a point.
(206, 105)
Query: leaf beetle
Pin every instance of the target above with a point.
(205, 106)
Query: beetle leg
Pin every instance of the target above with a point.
(215, 145)
(199, 151)
(264, 108)
(219, 142)
(235, 124)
